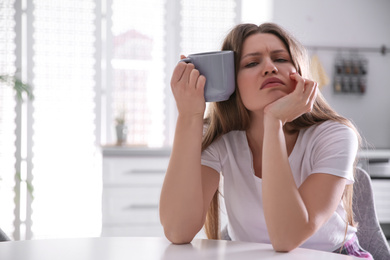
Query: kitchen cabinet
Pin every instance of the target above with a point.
(133, 177)
(377, 164)
(132, 181)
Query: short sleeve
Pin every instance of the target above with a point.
(211, 157)
(335, 151)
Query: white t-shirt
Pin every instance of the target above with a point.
(329, 147)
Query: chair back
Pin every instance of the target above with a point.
(3, 236)
(370, 234)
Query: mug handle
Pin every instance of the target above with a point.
(186, 60)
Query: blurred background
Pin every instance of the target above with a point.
(95, 64)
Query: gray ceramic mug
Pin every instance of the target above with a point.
(218, 68)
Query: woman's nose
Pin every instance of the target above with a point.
(269, 67)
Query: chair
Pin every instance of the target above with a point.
(3, 236)
(370, 234)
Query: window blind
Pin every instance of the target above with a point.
(7, 116)
(88, 61)
(65, 159)
(204, 24)
(136, 52)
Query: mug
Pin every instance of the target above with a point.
(218, 68)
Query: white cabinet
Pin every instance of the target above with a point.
(377, 164)
(132, 181)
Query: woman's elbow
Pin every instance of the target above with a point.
(178, 237)
(284, 247)
(287, 244)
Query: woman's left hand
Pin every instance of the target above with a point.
(293, 105)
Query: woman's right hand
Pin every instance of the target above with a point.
(298, 102)
(188, 89)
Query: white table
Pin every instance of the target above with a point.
(144, 248)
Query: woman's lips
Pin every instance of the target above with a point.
(271, 82)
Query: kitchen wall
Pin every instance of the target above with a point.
(348, 23)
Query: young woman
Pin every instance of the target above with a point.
(286, 157)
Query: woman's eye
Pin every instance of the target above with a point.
(281, 60)
(250, 65)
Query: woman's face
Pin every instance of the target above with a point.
(264, 71)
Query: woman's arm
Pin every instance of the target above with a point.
(188, 187)
(293, 215)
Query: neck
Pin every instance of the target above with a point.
(255, 135)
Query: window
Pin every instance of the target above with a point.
(136, 51)
(50, 141)
(146, 40)
(7, 114)
(64, 156)
(88, 62)
(204, 24)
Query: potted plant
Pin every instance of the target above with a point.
(121, 128)
(17, 85)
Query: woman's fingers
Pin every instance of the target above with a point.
(313, 94)
(178, 72)
(300, 86)
(187, 72)
(298, 102)
(201, 82)
(186, 80)
(311, 90)
(182, 73)
(194, 75)
(196, 81)
(304, 87)
(310, 94)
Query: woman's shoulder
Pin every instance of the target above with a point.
(231, 140)
(328, 133)
(232, 137)
(330, 127)
(230, 145)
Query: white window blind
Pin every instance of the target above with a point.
(7, 116)
(136, 51)
(65, 165)
(88, 61)
(205, 24)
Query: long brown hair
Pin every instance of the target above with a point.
(223, 117)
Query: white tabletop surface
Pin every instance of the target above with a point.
(141, 248)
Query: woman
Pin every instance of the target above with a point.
(286, 157)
